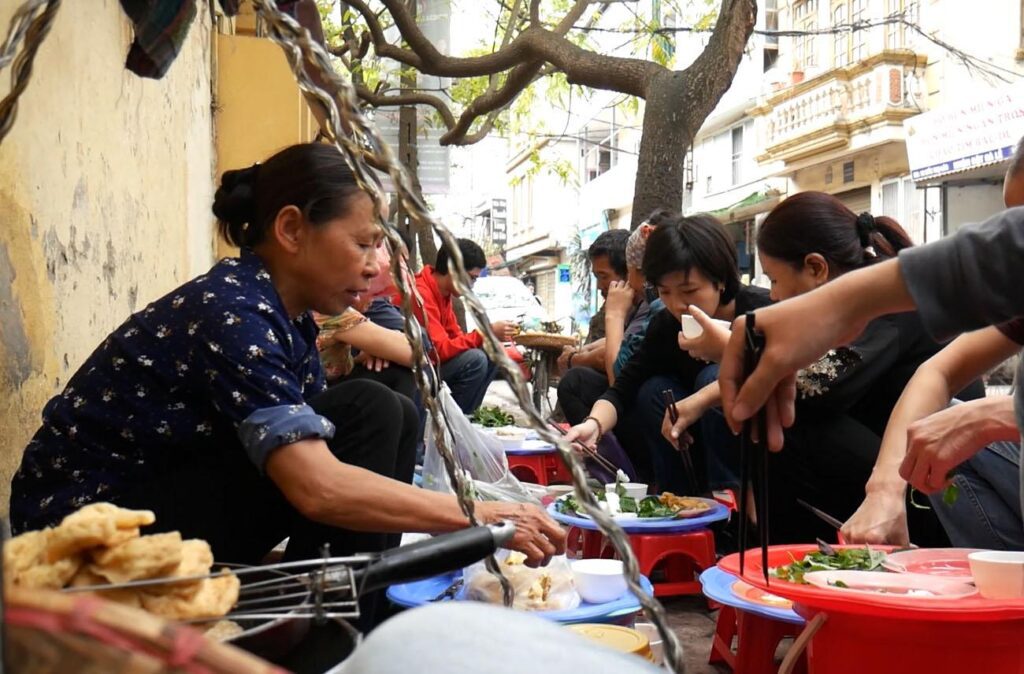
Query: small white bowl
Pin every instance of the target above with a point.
(599, 581)
(998, 574)
(691, 328)
(511, 438)
(636, 490)
(559, 490)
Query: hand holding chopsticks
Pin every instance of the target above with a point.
(590, 451)
(684, 448)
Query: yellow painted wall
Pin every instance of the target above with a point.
(105, 192)
(260, 108)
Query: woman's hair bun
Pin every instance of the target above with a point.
(234, 204)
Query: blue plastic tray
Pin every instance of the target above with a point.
(717, 585)
(717, 513)
(421, 592)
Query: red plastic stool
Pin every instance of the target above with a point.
(528, 468)
(543, 469)
(684, 555)
(580, 545)
(758, 640)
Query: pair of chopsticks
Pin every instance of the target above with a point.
(754, 456)
(673, 415)
(589, 451)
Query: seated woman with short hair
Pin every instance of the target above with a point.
(691, 261)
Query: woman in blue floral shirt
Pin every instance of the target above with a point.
(209, 406)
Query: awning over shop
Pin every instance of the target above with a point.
(748, 207)
(952, 139)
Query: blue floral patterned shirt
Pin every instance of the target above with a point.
(214, 366)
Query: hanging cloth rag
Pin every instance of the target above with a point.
(161, 27)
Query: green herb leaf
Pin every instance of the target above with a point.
(950, 495)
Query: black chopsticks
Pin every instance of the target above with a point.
(673, 414)
(589, 451)
(754, 456)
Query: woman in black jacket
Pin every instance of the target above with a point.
(845, 399)
(690, 262)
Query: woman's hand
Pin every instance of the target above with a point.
(371, 363)
(586, 433)
(537, 535)
(942, 441)
(710, 345)
(619, 300)
(690, 411)
(880, 520)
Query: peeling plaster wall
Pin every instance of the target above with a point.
(105, 192)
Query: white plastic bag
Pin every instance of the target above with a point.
(547, 588)
(479, 455)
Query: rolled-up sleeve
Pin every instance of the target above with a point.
(969, 280)
(271, 427)
(248, 374)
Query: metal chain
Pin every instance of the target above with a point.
(354, 136)
(32, 26)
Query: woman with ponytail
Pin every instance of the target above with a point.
(209, 406)
(845, 399)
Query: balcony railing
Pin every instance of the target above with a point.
(823, 113)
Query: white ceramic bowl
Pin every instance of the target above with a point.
(511, 438)
(558, 490)
(599, 581)
(691, 328)
(636, 490)
(998, 574)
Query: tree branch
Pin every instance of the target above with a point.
(491, 102)
(424, 56)
(535, 12)
(379, 100)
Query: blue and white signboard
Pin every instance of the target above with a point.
(951, 139)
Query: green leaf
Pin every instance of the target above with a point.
(951, 493)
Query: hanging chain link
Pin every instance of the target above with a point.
(350, 131)
(30, 23)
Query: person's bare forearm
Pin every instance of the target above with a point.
(605, 412)
(379, 341)
(930, 390)
(592, 358)
(614, 333)
(337, 494)
(926, 393)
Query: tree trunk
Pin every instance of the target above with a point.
(677, 105)
(668, 130)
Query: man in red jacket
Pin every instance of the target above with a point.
(464, 366)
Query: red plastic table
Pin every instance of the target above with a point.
(891, 634)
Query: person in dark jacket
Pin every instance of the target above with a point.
(844, 400)
(691, 261)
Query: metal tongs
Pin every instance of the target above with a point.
(754, 455)
(673, 414)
